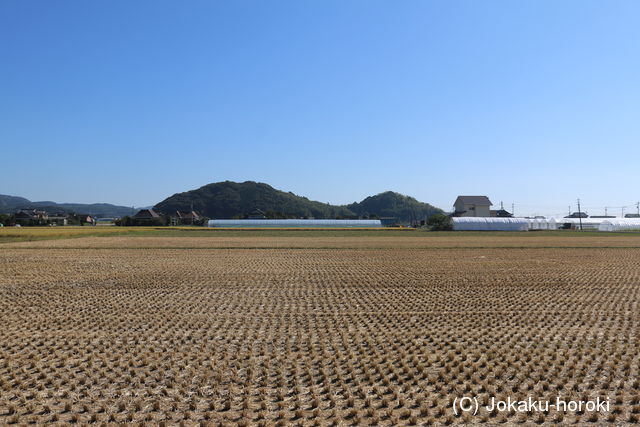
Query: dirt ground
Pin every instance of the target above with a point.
(308, 329)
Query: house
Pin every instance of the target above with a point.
(257, 214)
(500, 213)
(472, 206)
(146, 214)
(187, 217)
(36, 217)
(145, 217)
(85, 219)
(58, 218)
(30, 214)
(578, 215)
(31, 217)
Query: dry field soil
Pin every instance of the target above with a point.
(310, 328)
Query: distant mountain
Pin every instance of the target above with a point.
(391, 204)
(231, 199)
(101, 210)
(237, 200)
(9, 204)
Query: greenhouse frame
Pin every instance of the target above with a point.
(294, 223)
(489, 224)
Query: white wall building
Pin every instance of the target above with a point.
(479, 206)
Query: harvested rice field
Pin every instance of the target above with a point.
(318, 328)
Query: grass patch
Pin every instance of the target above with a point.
(31, 234)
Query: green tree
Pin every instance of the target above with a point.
(5, 219)
(440, 222)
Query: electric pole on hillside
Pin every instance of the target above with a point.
(513, 210)
(579, 215)
(605, 211)
(638, 208)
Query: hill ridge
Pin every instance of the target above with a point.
(229, 199)
(9, 204)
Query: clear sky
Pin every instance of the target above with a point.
(127, 102)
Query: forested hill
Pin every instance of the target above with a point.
(237, 200)
(391, 204)
(232, 199)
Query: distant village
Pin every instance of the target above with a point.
(463, 207)
(36, 217)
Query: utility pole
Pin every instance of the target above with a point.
(579, 215)
(513, 209)
(638, 208)
(569, 209)
(622, 214)
(605, 211)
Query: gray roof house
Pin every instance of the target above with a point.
(146, 214)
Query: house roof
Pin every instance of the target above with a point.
(146, 213)
(474, 200)
(25, 213)
(257, 214)
(500, 213)
(187, 214)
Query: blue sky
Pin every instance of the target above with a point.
(535, 103)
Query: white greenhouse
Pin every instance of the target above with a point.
(542, 224)
(620, 224)
(489, 224)
(294, 223)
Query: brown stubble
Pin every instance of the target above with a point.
(364, 335)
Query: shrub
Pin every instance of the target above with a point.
(440, 222)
